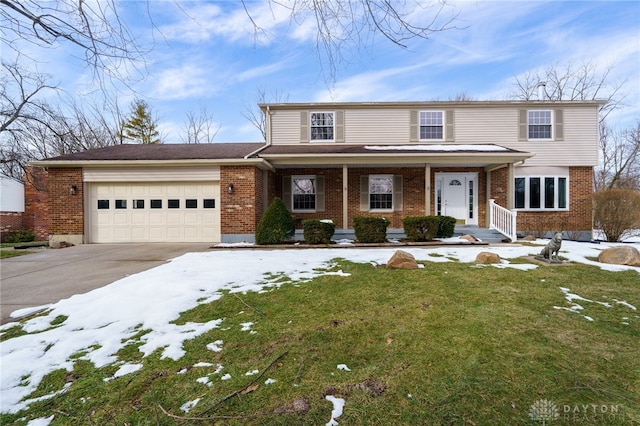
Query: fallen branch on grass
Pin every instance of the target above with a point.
(249, 306)
(238, 392)
(246, 389)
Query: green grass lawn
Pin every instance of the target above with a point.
(450, 344)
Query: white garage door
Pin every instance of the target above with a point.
(154, 212)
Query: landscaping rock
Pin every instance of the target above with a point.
(529, 238)
(620, 255)
(469, 237)
(402, 260)
(486, 257)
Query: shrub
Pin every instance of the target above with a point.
(421, 228)
(370, 229)
(318, 231)
(276, 224)
(616, 212)
(447, 227)
(20, 236)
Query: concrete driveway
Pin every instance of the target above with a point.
(50, 275)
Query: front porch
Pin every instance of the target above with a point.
(485, 235)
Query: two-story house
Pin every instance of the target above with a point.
(495, 163)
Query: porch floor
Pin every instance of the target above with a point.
(484, 234)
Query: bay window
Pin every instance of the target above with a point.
(541, 193)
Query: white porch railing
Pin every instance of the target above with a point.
(502, 220)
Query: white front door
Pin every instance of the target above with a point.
(456, 196)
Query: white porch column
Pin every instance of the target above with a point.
(427, 189)
(489, 197)
(345, 197)
(511, 179)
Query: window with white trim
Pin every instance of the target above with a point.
(381, 192)
(322, 126)
(540, 124)
(431, 125)
(542, 193)
(303, 192)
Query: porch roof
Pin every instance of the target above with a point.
(485, 155)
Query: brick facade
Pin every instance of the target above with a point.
(413, 194)
(36, 202)
(579, 217)
(66, 210)
(240, 210)
(35, 217)
(9, 222)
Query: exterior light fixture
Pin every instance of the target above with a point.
(72, 189)
(230, 188)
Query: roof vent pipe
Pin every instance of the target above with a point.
(542, 86)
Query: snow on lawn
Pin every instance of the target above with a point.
(103, 321)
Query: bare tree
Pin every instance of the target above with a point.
(95, 28)
(619, 150)
(344, 24)
(19, 93)
(571, 83)
(254, 113)
(620, 159)
(200, 128)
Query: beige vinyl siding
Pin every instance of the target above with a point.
(486, 125)
(152, 174)
(285, 127)
(579, 146)
(369, 126)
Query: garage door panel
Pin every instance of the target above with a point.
(174, 232)
(155, 190)
(191, 218)
(175, 218)
(138, 218)
(121, 219)
(137, 190)
(136, 221)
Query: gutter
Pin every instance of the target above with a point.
(260, 162)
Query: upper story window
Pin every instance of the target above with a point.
(540, 124)
(303, 191)
(322, 126)
(431, 125)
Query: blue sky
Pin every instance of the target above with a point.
(205, 55)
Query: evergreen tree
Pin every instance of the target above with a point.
(276, 225)
(141, 127)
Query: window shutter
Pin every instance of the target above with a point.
(304, 126)
(449, 126)
(319, 193)
(523, 132)
(414, 126)
(339, 127)
(286, 191)
(364, 193)
(397, 193)
(559, 124)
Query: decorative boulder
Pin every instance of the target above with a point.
(402, 260)
(529, 238)
(620, 255)
(486, 257)
(469, 237)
